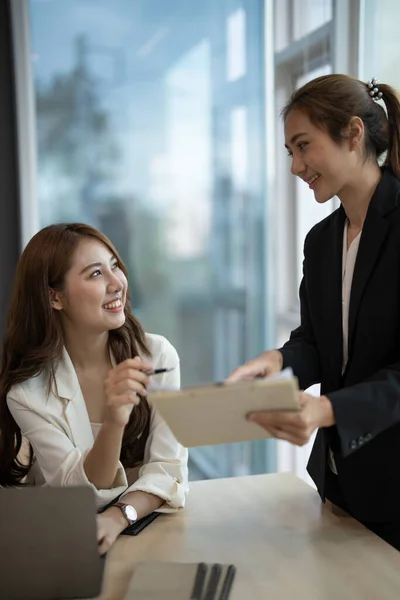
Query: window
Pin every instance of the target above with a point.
(296, 62)
(379, 48)
(303, 51)
(312, 38)
(150, 127)
(309, 15)
(236, 40)
(296, 19)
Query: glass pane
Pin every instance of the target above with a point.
(236, 40)
(150, 127)
(282, 25)
(296, 18)
(308, 15)
(380, 48)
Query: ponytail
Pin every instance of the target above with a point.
(392, 103)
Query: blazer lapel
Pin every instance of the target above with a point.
(68, 389)
(373, 235)
(375, 230)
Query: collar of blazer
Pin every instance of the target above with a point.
(328, 253)
(66, 379)
(384, 201)
(68, 389)
(386, 197)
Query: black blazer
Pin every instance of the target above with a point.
(366, 398)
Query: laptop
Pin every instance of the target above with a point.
(48, 544)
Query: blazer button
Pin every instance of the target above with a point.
(353, 445)
(367, 437)
(360, 440)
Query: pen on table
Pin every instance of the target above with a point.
(159, 371)
(226, 587)
(197, 592)
(212, 584)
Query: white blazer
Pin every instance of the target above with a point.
(58, 427)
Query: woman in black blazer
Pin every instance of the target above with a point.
(336, 130)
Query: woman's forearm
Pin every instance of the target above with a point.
(101, 463)
(143, 502)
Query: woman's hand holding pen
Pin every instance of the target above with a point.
(297, 427)
(123, 386)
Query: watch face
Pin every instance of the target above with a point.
(130, 512)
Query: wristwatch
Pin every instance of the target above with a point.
(128, 511)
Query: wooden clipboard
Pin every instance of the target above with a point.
(216, 414)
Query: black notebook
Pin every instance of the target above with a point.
(140, 524)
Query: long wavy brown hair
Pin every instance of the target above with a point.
(34, 340)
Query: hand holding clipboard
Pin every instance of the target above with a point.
(216, 414)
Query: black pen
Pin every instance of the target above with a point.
(159, 371)
(226, 587)
(198, 587)
(213, 580)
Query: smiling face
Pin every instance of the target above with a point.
(326, 166)
(94, 293)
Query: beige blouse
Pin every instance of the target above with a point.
(348, 262)
(132, 474)
(56, 423)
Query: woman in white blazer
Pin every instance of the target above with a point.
(74, 379)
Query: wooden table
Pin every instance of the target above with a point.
(274, 528)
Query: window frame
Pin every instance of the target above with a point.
(26, 120)
(10, 164)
